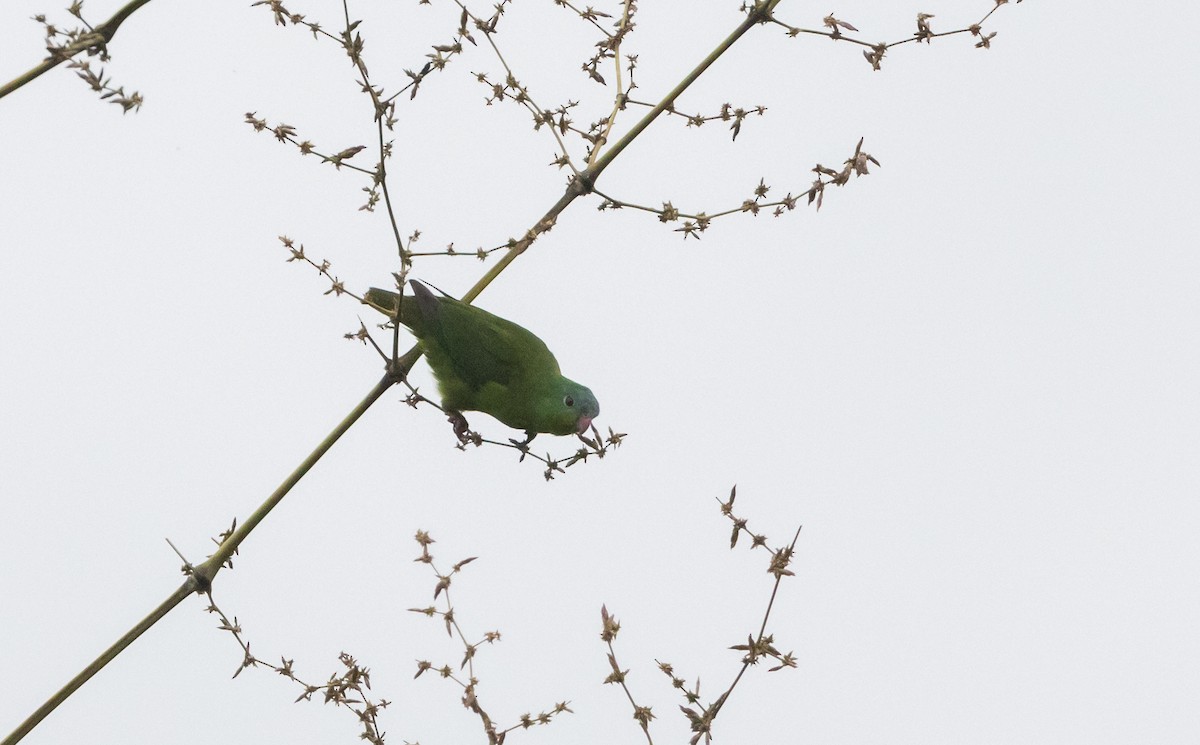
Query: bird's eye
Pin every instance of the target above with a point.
(569, 401)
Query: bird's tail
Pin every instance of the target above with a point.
(385, 301)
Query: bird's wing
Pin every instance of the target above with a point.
(483, 348)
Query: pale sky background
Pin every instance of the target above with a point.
(972, 377)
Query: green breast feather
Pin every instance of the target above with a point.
(485, 363)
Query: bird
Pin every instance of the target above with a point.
(489, 364)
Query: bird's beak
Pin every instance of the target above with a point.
(584, 423)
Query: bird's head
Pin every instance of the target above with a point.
(571, 409)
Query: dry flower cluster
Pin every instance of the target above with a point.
(759, 644)
(464, 675)
(350, 688)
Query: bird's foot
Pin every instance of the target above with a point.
(462, 430)
(523, 445)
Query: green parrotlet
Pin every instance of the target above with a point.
(486, 363)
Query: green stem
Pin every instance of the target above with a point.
(207, 572)
(203, 575)
(761, 13)
(187, 588)
(583, 184)
(106, 30)
(511, 255)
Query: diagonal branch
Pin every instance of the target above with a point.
(102, 35)
(201, 577)
(584, 182)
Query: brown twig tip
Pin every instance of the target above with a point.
(695, 224)
(727, 507)
(468, 682)
(350, 689)
(220, 541)
(924, 32)
(609, 625)
(757, 646)
(102, 85)
(874, 53)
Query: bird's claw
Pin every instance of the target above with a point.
(523, 445)
(462, 430)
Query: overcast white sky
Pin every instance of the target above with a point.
(972, 377)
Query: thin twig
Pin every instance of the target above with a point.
(103, 34)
